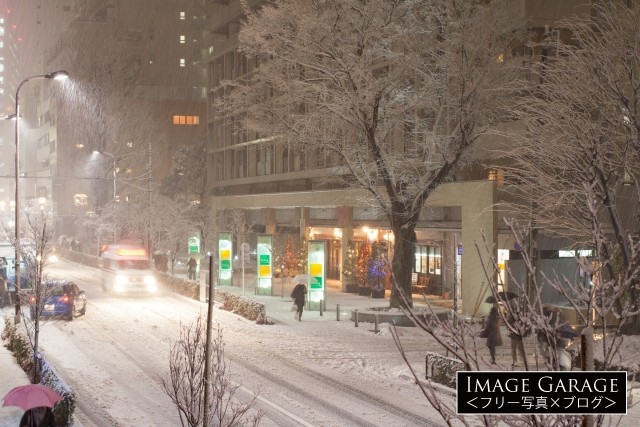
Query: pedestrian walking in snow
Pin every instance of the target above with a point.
(299, 296)
(192, 266)
(494, 338)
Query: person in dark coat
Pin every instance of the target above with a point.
(192, 266)
(38, 417)
(494, 338)
(299, 296)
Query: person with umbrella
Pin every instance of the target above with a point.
(37, 401)
(492, 332)
(299, 295)
(40, 416)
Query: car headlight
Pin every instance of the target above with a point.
(121, 280)
(149, 280)
(53, 258)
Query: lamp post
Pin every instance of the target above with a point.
(57, 75)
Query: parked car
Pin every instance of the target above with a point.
(64, 299)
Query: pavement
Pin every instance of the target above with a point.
(277, 306)
(11, 375)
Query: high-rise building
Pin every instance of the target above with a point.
(135, 95)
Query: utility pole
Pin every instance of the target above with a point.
(207, 351)
(149, 183)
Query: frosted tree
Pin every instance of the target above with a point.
(578, 159)
(575, 173)
(393, 95)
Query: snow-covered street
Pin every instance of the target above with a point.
(316, 372)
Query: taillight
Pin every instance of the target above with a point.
(65, 298)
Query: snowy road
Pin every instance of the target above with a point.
(306, 374)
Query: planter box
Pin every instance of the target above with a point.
(378, 293)
(352, 288)
(364, 291)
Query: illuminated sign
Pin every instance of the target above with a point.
(225, 249)
(264, 267)
(316, 258)
(131, 252)
(193, 244)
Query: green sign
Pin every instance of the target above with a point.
(265, 268)
(316, 259)
(225, 249)
(194, 244)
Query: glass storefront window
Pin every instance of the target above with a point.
(428, 259)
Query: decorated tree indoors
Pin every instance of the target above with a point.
(350, 268)
(364, 253)
(289, 260)
(302, 257)
(376, 270)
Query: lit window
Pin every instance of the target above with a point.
(80, 200)
(183, 16)
(500, 58)
(496, 175)
(130, 144)
(182, 62)
(183, 39)
(186, 120)
(129, 170)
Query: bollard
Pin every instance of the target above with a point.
(356, 314)
(338, 312)
(321, 308)
(375, 324)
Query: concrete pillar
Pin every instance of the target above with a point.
(479, 227)
(269, 220)
(302, 214)
(448, 260)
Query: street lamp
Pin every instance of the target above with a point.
(56, 75)
(114, 169)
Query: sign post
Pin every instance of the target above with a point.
(316, 259)
(264, 270)
(225, 249)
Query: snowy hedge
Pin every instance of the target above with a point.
(245, 307)
(442, 370)
(64, 409)
(16, 342)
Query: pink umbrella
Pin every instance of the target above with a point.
(31, 396)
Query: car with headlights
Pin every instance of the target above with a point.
(127, 269)
(59, 298)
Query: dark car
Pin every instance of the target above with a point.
(63, 299)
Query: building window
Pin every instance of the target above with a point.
(182, 62)
(183, 39)
(428, 259)
(183, 16)
(496, 175)
(186, 120)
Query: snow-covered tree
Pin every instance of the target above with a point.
(577, 161)
(575, 171)
(392, 94)
(187, 379)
